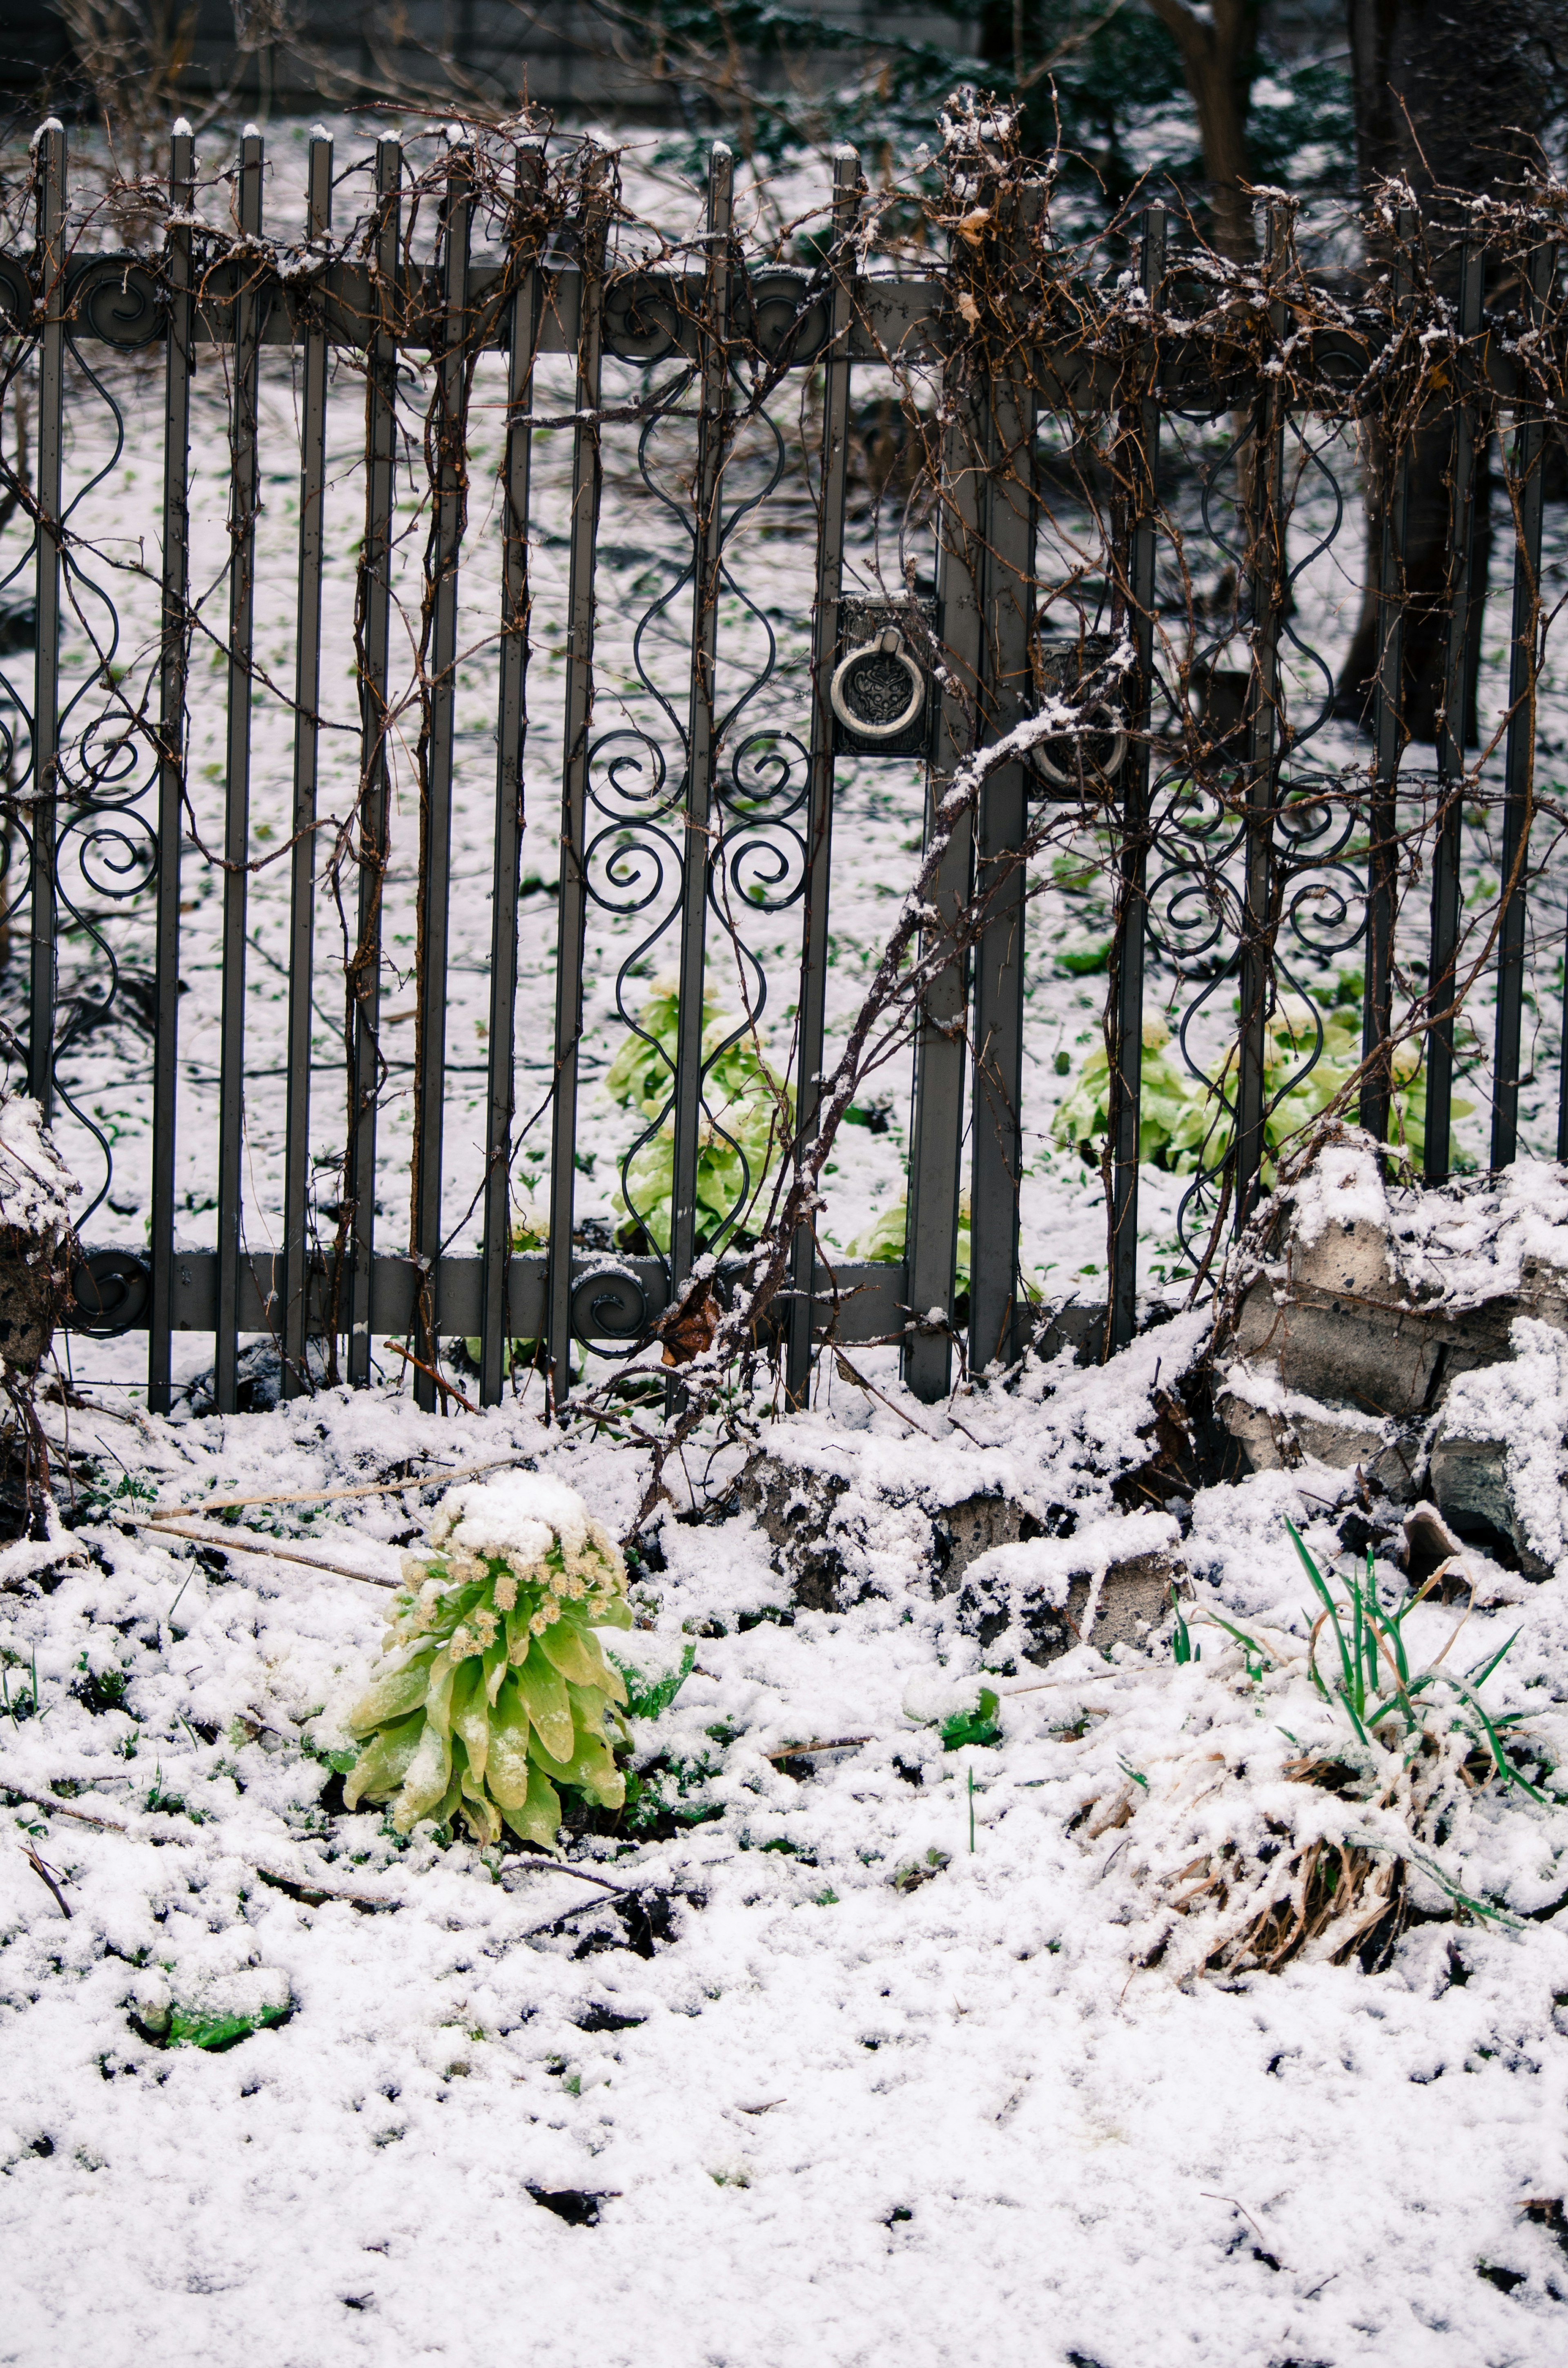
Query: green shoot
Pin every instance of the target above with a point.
(1182, 1647)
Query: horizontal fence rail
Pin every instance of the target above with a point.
(1113, 498)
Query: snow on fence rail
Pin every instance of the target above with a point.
(1089, 532)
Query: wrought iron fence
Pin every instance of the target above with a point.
(1089, 625)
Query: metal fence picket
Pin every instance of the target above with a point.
(511, 720)
(701, 745)
(448, 431)
(1452, 732)
(49, 171)
(369, 841)
(1519, 802)
(173, 666)
(247, 300)
(997, 1148)
(1132, 858)
(814, 949)
(587, 481)
(303, 868)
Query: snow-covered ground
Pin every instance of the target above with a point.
(889, 2064)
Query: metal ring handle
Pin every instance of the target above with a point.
(1101, 722)
(889, 644)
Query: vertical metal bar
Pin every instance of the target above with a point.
(173, 668)
(1383, 817)
(586, 481)
(1265, 569)
(49, 170)
(997, 1149)
(714, 380)
(1451, 735)
(436, 785)
(940, 1050)
(373, 627)
(236, 822)
(1518, 794)
(1127, 1066)
(510, 726)
(307, 731)
(836, 371)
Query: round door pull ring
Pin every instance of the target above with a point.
(1071, 759)
(876, 675)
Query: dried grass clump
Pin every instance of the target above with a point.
(1317, 1846)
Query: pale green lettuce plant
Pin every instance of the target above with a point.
(497, 1696)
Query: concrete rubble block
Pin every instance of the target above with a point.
(794, 1510)
(1497, 1462)
(1335, 1345)
(822, 1531)
(1109, 1584)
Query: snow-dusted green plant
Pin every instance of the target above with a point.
(498, 1691)
(745, 1123)
(1183, 1117)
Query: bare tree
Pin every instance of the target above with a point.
(1450, 96)
(1218, 41)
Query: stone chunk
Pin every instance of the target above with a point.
(1331, 1346)
(1109, 1584)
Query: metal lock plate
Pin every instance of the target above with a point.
(1085, 762)
(882, 687)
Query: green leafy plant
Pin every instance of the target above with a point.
(498, 1695)
(746, 1122)
(216, 2032)
(977, 1727)
(1182, 1118)
(650, 1694)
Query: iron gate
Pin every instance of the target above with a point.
(1221, 828)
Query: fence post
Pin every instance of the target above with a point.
(1382, 854)
(836, 369)
(997, 1149)
(940, 1050)
(1518, 801)
(1131, 913)
(49, 171)
(1264, 572)
(174, 662)
(511, 724)
(307, 731)
(1452, 734)
(248, 322)
(588, 477)
(450, 423)
(372, 630)
(707, 532)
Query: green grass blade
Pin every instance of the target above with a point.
(1309, 1566)
(1474, 1678)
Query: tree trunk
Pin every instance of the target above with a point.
(1445, 94)
(1218, 56)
